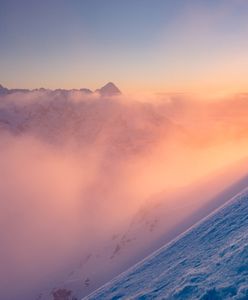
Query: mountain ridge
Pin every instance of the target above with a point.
(109, 89)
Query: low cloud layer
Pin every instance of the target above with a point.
(76, 169)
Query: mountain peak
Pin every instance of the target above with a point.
(109, 89)
(3, 90)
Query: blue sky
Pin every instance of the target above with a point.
(156, 45)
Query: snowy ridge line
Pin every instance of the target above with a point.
(169, 244)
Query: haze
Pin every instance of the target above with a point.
(95, 175)
(76, 169)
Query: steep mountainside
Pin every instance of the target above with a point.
(153, 225)
(209, 261)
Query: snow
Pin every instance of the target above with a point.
(208, 261)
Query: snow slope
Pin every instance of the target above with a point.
(148, 230)
(209, 261)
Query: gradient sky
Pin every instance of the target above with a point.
(149, 45)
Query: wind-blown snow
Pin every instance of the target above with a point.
(209, 261)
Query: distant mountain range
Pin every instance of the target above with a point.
(110, 89)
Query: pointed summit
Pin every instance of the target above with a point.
(110, 89)
(3, 90)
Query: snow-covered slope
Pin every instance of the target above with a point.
(151, 227)
(209, 261)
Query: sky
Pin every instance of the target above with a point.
(141, 45)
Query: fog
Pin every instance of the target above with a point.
(76, 169)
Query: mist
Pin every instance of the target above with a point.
(77, 169)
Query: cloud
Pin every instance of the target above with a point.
(75, 169)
